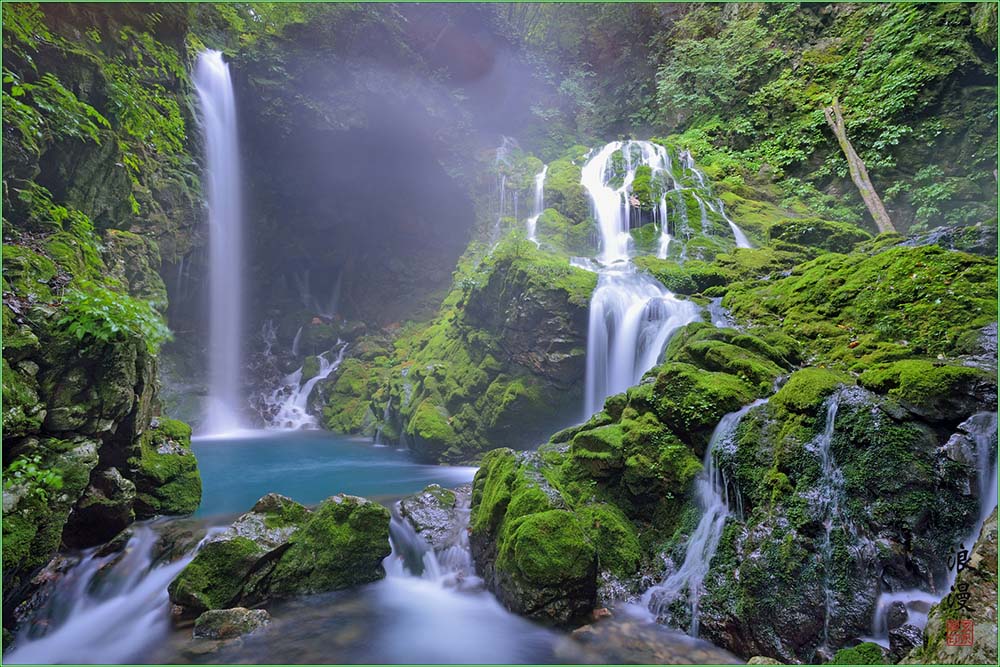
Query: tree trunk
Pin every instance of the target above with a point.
(859, 173)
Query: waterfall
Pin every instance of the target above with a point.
(412, 556)
(291, 400)
(218, 123)
(831, 490)
(118, 607)
(712, 494)
(539, 204)
(687, 161)
(631, 314)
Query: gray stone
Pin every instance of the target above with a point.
(230, 623)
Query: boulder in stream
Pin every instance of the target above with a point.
(280, 548)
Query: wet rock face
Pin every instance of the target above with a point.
(434, 514)
(230, 623)
(773, 566)
(280, 548)
(979, 581)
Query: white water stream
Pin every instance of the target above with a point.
(712, 493)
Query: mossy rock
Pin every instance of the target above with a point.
(564, 192)
(310, 368)
(691, 400)
(342, 544)
(691, 277)
(865, 653)
(817, 233)
(215, 578)
(165, 471)
(806, 389)
(614, 536)
(932, 389)
(558, 232)
(744, 355)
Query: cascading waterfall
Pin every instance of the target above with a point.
(538, 205)
(218, 123)
(713, 495)
(830, 493)
(291, 399)
(714, 203)
(631, 314)
(118, 608)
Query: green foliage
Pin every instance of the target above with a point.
(31, 471)
(44, 111)
(99, 314)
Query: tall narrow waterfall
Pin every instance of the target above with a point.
(538, 205)
(222, 176)
(631, 314)
(713, 496)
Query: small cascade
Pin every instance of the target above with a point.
(217, 108)
(631, 315)
(827, 503)
(291, 400)
(711, 490)
(386, 415)
(502, 159)
(311, 300)
(117, 610)
(296, 341)
(412, 556)
(538, 205)
(714, 203)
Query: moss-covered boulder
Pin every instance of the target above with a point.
(529, 546)
(901, 495)
(166, 471)
(280, 548)
(817, 233)
(341, 544)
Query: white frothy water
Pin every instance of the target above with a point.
(712, 493)
(119, 610)
(222, 174)
(292, 397)
(538, 205)
(631, 315)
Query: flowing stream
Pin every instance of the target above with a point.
(712, 494)
(222, 174)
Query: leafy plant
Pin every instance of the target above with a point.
(98, 313)
(29, 469)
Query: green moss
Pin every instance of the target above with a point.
(310, 368)
(817, 233)
(564, 192)
(746, 356)
(615, 538)
(557, 232)
(924, 384)
(27, 272)
(341, 545)
(22, 413)
(214, 578)
(692, 277)
(599, 450)
(691, 401)
(547, 549)
(806, 389)
(865, 653)
(166, 471)
(491, 490)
